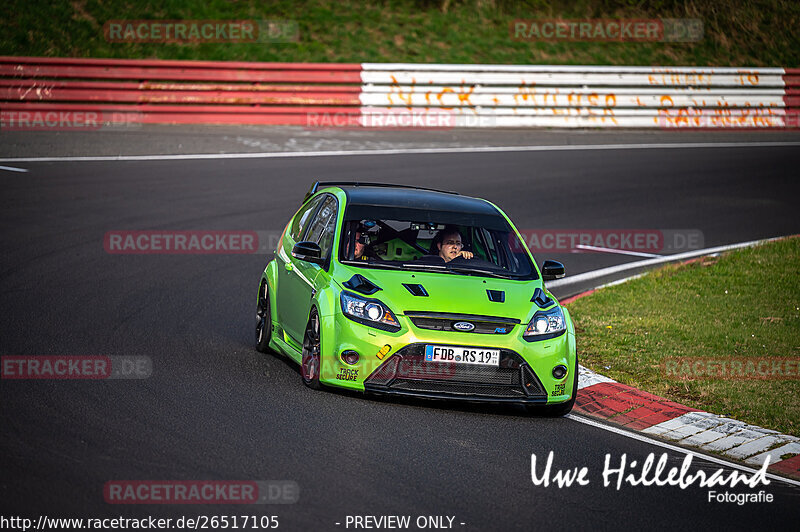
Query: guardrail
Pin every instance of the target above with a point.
(183, 92)
(401, 95)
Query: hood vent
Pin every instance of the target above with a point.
(498, 296)
(416, 289)
(541, 299)
(361, 284)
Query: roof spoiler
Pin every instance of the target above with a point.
(322, 184)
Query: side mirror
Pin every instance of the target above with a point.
(308, 251)
(552, 270)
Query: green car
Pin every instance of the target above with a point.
(402, 290)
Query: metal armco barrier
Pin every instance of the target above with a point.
(178, 92)
(400, 95)
(579, 96)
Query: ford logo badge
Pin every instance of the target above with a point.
(463, 326)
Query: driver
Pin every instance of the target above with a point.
(450, 245)
(361, 251)
(361, 246)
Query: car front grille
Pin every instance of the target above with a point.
(407, 371)
(441, 321)
(457, 389)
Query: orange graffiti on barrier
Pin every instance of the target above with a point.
(441, 95)
(524, 91)
(395, 86)
(720, 103)
(748, 78)
(574, 98)
(462, 93)
(747, 117)
(592, 115)
(608, 115)
(669, 77)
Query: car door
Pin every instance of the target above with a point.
(300, 279)
(287, 279)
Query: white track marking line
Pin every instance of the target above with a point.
(645, 439)
(619, 251)
(12, 169)
(640, 436)
(594, 274)
(406, 151)
(620, 281)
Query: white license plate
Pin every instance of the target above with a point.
(462, 355)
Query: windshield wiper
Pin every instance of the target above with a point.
(366, 264)
(441, 268)
(488, 273)
(426, 267)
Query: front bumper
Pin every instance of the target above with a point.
(407, 372)
(524, 375)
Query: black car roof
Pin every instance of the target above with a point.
(420, 205)
(388, 197)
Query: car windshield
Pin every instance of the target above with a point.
(486, 247)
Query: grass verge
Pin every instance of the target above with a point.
(755, 33)
(743, 305)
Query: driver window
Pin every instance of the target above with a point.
(322, 226)
(301, 218)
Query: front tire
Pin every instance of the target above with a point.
(311, 361)
(263, 319)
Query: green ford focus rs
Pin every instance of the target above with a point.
(408, 291)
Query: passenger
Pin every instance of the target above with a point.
(449, 244)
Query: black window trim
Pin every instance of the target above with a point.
(304, 229)
(327, 265)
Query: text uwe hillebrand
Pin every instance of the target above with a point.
(649, 473)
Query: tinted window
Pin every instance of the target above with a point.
(410, 243)
(301, 218)
(322, 227)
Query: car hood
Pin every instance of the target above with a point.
(453, 293)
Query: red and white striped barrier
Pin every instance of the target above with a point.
(402, 95)
(571, 96)
(602, 398)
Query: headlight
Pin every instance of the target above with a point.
(545, 324)
(369, 312)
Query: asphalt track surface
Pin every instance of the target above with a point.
(215, 408)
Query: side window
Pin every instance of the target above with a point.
(322, 227)
(491, 246)
(301, 218)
